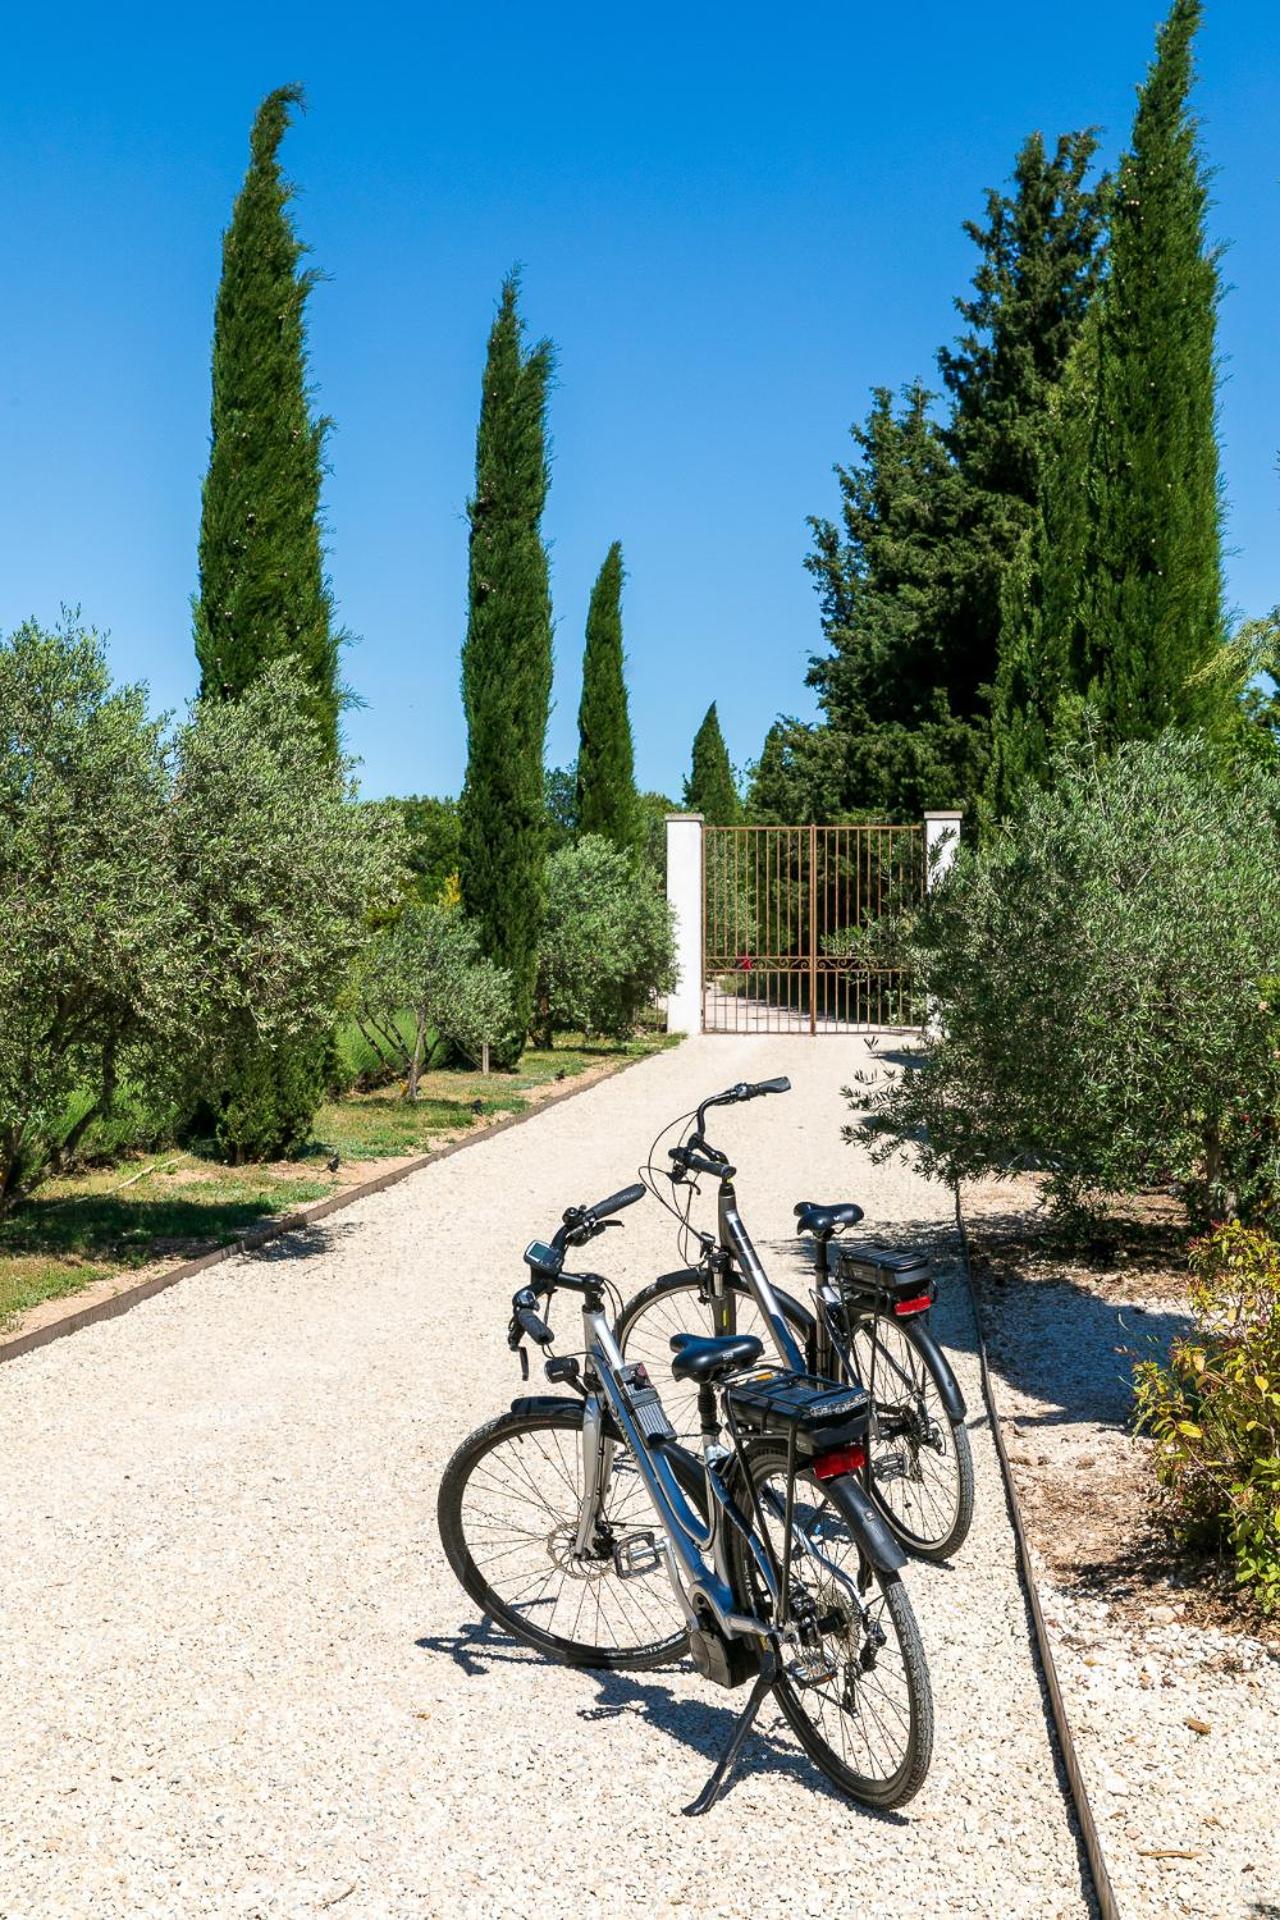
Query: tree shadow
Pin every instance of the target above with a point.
(682, 1718)
(304, 1243)
(1062, 1344)
(131, 1232)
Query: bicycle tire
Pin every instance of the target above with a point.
(655, 1604)
(890, 1607)
(952, 1523)
(655, 1302)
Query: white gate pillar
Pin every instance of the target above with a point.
(941, 838)
(684, 891)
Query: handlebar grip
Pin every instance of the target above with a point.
(617, 1201)
(535, 1326)
(780, 1085)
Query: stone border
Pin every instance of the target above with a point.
(110, 1305)
(1103, 1891)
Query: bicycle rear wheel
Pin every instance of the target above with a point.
(919, 1459)
(858, 1697)
(676, 1303)
(508, 1515)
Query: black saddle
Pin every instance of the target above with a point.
(699, 1357)
(822, 1221)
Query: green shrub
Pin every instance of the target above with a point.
(165, 906)
(1214, 1411)
(607, 946)
(268, 1096)
(1098, 969)
(276, 871)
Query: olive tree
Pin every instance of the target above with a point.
(1103, 974)
(421, 981)
(275, 870)
(86, 917)
(607, 944)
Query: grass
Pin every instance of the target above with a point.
(369, 1126)
(144, 1207)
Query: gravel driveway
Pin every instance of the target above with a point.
(239, 1679)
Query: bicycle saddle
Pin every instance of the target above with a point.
(822, 1221)
(700, 1357)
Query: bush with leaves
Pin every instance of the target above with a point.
(86, 916)
(1214, 1411)
(1098, 969)
(423, 981)
(607, 946)
(276, 870)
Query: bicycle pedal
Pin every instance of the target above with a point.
(636, 1554)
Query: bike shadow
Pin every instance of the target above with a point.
(697, 1725)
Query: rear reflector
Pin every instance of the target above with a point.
(919, 1303)
(840, 1460)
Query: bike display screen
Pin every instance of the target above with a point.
(543, 1258)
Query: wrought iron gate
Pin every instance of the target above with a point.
(798, 928)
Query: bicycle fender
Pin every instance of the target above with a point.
(948, 1385)
(552, 1402)
(865, 1522)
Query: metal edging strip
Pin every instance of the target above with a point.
(1103, 1891)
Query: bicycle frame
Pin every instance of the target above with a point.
(687, 1541)
(736, 1243)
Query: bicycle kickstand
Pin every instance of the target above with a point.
(719, 1780)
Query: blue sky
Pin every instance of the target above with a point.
(733, 221)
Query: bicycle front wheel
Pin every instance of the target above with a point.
(857, 1693)
(508, 1513)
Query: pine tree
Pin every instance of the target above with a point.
(1150, 603)
(263, 592)
(606, 765)
(885, 582)
(710, 789)
(1040, 261)
(1038, 698)
(506, 660)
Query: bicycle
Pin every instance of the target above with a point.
(869, 1326)
(781, 1570)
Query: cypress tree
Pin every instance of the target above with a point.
(606, 761)
(1150, 604)
(506, 661)
(710, 788)
(263, 592)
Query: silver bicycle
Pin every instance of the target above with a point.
(579, 1523)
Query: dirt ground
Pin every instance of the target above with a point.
(1171, 1678)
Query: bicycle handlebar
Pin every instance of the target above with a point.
(581, 1224)
(617, 1201)
(745, 1090)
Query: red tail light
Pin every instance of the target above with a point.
(919, 1303)
(840, 1460)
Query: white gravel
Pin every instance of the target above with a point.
(239, 1678)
